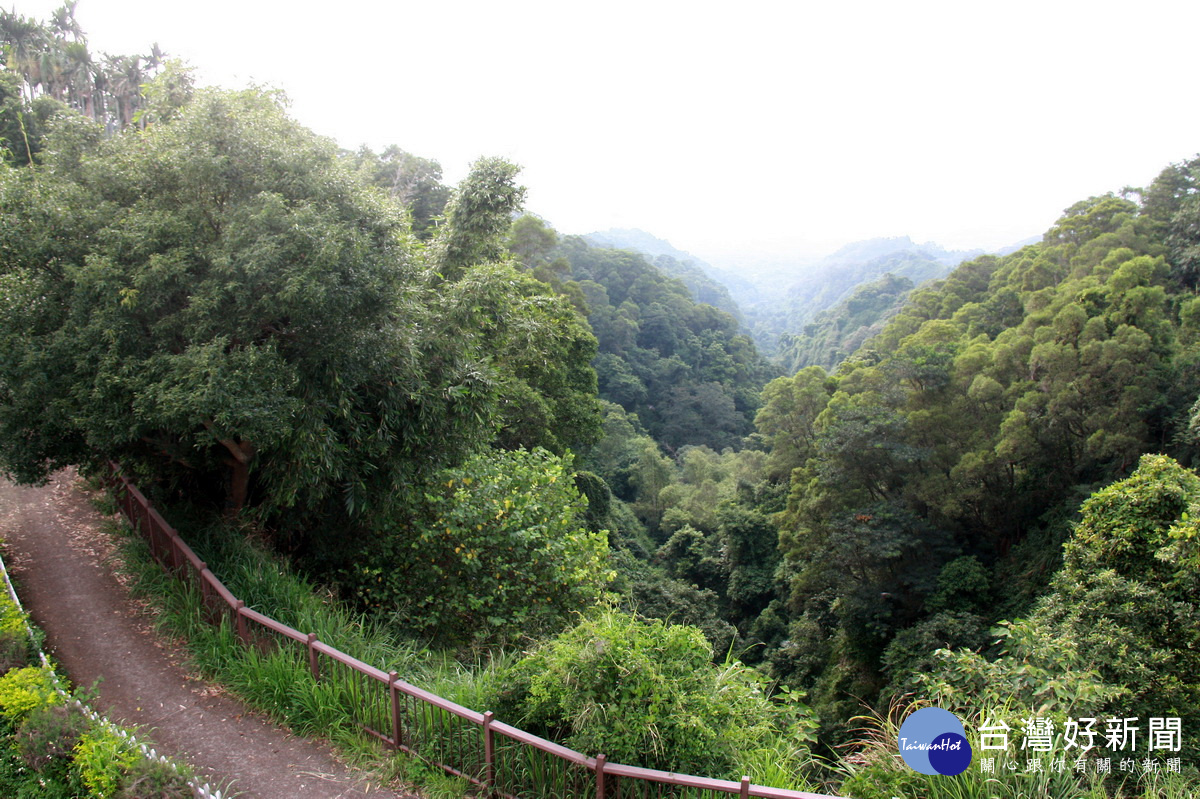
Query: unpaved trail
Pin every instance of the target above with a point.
(95, 631)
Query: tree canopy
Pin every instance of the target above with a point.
(968, 428)
(222, 290)
(220, 293)
(683, 367)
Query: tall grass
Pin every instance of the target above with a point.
(277, 679)
(265, 583)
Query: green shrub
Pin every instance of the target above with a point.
(49, 733)
(24, 690)
(18, 781)
(1126, 525)
(646, 693)
(15, 648)
(14, 651)
(102, 757)
(13, 621)
(499, 550)
(914, 650)
(650, 592)
(153, 779)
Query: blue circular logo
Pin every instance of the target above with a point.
(933, 741)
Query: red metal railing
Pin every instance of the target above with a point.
(504, 760)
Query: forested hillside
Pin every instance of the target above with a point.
(707, 284)
(779, 304)
(681, 366)
(220, 302)
(838, 331)
(783, 313)
(492, 438)
(934, 477)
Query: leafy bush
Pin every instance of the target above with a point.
(24, 690)
(13, 621)
(14, 636)
(647, 693)
(499, 550)
(102, 757)
(650, 592)
(49, 734)
(14, 652)
(914, 650)
(1125, 525)
(153, 779)
(18, 781)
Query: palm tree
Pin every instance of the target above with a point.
(156, 58)
(24, 42)
(54, 60)
(81, 77)
(63, 22)
(52, 71)
(126, 79)
(102, 81)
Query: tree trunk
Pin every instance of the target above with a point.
(239, 465)
(239, 484)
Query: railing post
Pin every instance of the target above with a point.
(241, 621)
(395, 697)
(489, 752)
(206, 595)
(156, 537)
(745, 792)
(313, 664)
(600, 761)
(146, 529)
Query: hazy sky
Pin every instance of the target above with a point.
(729, 129)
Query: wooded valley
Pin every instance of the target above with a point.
(974, 489)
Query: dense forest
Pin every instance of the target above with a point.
(976, 490)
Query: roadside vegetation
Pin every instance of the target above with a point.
(52, 746)
(716, 719)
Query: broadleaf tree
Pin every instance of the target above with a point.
(218, 298)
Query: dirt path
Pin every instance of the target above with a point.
(96, 632)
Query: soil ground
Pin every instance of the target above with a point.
(96, 631)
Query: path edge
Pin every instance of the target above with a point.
(202, 790)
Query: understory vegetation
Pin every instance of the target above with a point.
(510, 465)
(713, 718)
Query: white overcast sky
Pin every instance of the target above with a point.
(733, 129)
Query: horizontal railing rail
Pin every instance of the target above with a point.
(404, 717)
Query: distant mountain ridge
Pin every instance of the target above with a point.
(870, 249)
(640, 240)
(780, 306)
(835, 277)
(720, 288)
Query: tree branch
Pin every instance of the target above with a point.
(242, 452)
